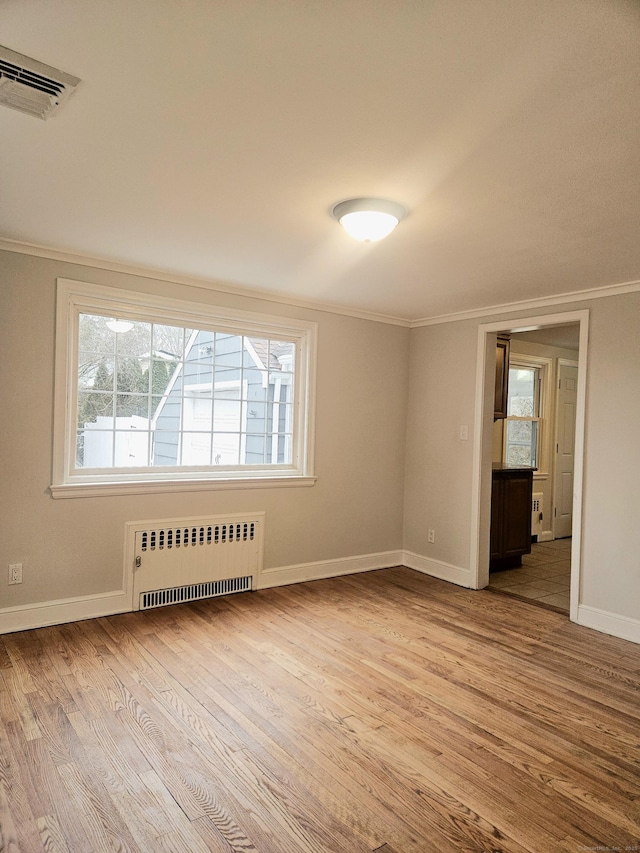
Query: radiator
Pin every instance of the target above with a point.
(536, 514)
(179, 560)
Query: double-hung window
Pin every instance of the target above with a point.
(523, 433)
(155, 393)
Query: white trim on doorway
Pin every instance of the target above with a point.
(483, 420)
(555, 489)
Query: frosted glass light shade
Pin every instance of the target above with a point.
(368, 219)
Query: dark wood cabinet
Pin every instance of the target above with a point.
(511, 494)
(502, 377)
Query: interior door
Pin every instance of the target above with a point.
(567, 392)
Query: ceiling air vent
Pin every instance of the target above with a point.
(31, 86)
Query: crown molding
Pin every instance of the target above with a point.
(280, 298)
(530, 304)
(309, 304)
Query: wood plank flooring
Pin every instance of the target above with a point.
(385, 712)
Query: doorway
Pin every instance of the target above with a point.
(544, 337)
(539, 430)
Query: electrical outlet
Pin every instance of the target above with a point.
(432, 536)
(15, 573)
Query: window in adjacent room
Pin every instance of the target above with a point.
(523, 425)
(162, 392)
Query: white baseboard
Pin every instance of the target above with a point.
(609, 623)
(329, 568)
(545, 536)
(437, 569)
(27, 616)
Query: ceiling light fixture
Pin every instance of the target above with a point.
(119, 326)
(369, 219)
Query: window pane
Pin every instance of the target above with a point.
(97, 447)
(283, 354)
(227, 383)
(256, 417)
(128, 405)
(196, 374)
(95, 335)
(131, 447)
(95, 371)
(521, 401)
(135, 341)
(256, 450)
(166, 445)
(227, 415)
(168, 341)
(204, 348)
(130, 375)
(228, 350)
(80, 448)
(92, 405)
(162, 370)
(226, 448)
(522, 443)
(196, 448)
(284, 449)
(256, 392)
(259, 348)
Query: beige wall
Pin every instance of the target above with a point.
(611, 578)
(439, 472)
(438, 463)
(381, 390)
(74, 547)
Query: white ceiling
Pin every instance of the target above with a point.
(211, 138)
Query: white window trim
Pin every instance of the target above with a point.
(74, 298)
(545, 365)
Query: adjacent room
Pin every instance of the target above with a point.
(320, 333)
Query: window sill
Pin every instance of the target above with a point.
(95, 490)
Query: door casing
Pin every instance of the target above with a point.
(483, 424)
(562, 474)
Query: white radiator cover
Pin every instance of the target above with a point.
(537, 513)
(183, 559)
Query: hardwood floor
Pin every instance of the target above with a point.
(385, 712)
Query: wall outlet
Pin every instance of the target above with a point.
(431, 536)
(15, 573)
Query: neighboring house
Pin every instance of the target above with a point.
(232, 398)
(228, 402)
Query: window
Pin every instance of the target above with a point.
(156, 393)
(523, 433)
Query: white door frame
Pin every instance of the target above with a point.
(562, 362)
(483, 427)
